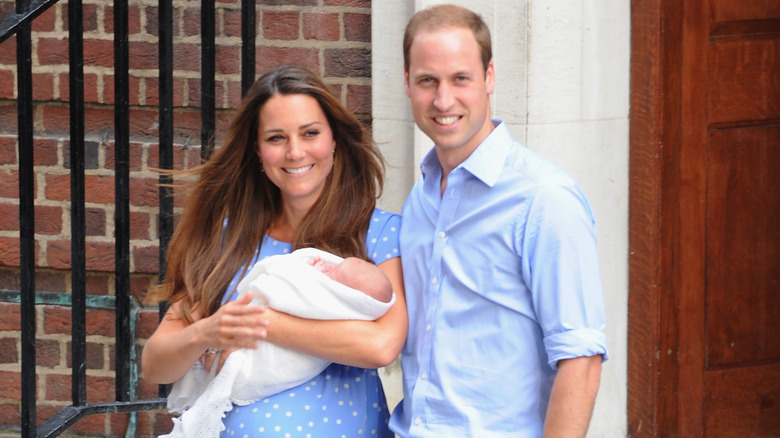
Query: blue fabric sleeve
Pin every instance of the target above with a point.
(382, 236)
(562, 272)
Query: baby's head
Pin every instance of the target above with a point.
(363, 276)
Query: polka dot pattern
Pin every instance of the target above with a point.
(342, 401)
(382, 237)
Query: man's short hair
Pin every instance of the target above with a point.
(448, 16)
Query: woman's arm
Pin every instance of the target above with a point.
(176, 345)
(367, 344)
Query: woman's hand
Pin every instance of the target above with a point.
(176, 345)
(237, 324)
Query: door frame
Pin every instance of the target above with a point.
(654, 134)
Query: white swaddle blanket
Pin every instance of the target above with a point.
(286, 283)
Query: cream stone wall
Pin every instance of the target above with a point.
(562, 72)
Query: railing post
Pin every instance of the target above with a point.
(165, 226)
(122, 198)
(26, 220)
(77, 212)
(248, 49)
(207, 72)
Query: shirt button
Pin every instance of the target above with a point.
(418, 420)
(435, 280)
(442, 234)
(424, 375)
(428, 328)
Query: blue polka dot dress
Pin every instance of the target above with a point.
(342, 401)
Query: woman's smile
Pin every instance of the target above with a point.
(297, 170)
(295, 145)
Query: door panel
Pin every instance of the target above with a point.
(745, 10)
(743, 403)
(745, 79)
(743, 251)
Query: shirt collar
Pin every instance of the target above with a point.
(487, 160)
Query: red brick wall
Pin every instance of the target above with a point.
(332, 37)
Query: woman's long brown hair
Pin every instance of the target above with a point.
(205, 253)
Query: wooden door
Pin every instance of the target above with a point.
(704, 280)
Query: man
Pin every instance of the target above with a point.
(499, 257)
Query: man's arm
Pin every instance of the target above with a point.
(572, 398)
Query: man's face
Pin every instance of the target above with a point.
(449, 91)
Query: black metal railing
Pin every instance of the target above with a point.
(19, 24)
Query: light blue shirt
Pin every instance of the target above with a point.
(502, 282)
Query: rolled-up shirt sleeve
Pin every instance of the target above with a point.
(561, 270)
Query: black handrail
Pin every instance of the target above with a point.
(69, 415)
(25, 13)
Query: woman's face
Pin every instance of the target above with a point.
(295, 145)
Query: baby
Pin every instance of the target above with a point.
(350, 288)
(358, 274)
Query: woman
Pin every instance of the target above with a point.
(296, 170)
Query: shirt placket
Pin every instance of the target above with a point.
(432, 298)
